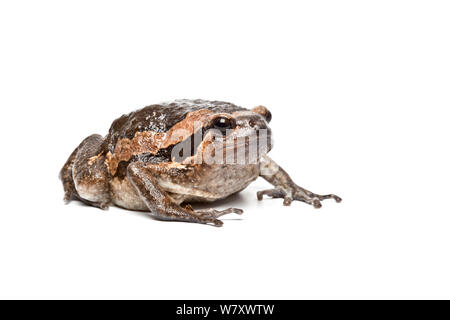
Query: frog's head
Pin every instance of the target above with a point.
(239, 137)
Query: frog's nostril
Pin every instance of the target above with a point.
(257, 125)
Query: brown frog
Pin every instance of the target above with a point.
(165, 156)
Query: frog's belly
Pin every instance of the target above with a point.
(215, 183)
(219, 184)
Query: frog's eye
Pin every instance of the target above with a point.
(223, 123)
(264, 112)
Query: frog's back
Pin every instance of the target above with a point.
(161, 117)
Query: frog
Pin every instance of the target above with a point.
(155, 159)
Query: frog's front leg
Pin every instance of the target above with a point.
(161, 205)
(286, 188)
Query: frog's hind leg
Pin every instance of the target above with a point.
(161, 204)
(85, 175)
(65, 175)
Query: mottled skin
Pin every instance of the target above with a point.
(133, 166)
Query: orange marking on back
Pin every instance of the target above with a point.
(152, 142)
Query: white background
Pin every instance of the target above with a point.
(359, 92)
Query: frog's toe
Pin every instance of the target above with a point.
(315, 199)
(235, 210)
(217, 213)
(103, 205)
(273, 193)
(336, 198)
(316, 203)
(212, 221)
(66, 198)
(207, 218)
(287, 201)
(328, 196)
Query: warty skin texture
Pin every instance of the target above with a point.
(134, 165)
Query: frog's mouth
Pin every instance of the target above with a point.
(242, 147)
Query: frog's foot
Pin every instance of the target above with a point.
(298, 194)
(210, 215)
(67, 197)
(217, 213)
(104, 205)
(275, 193)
